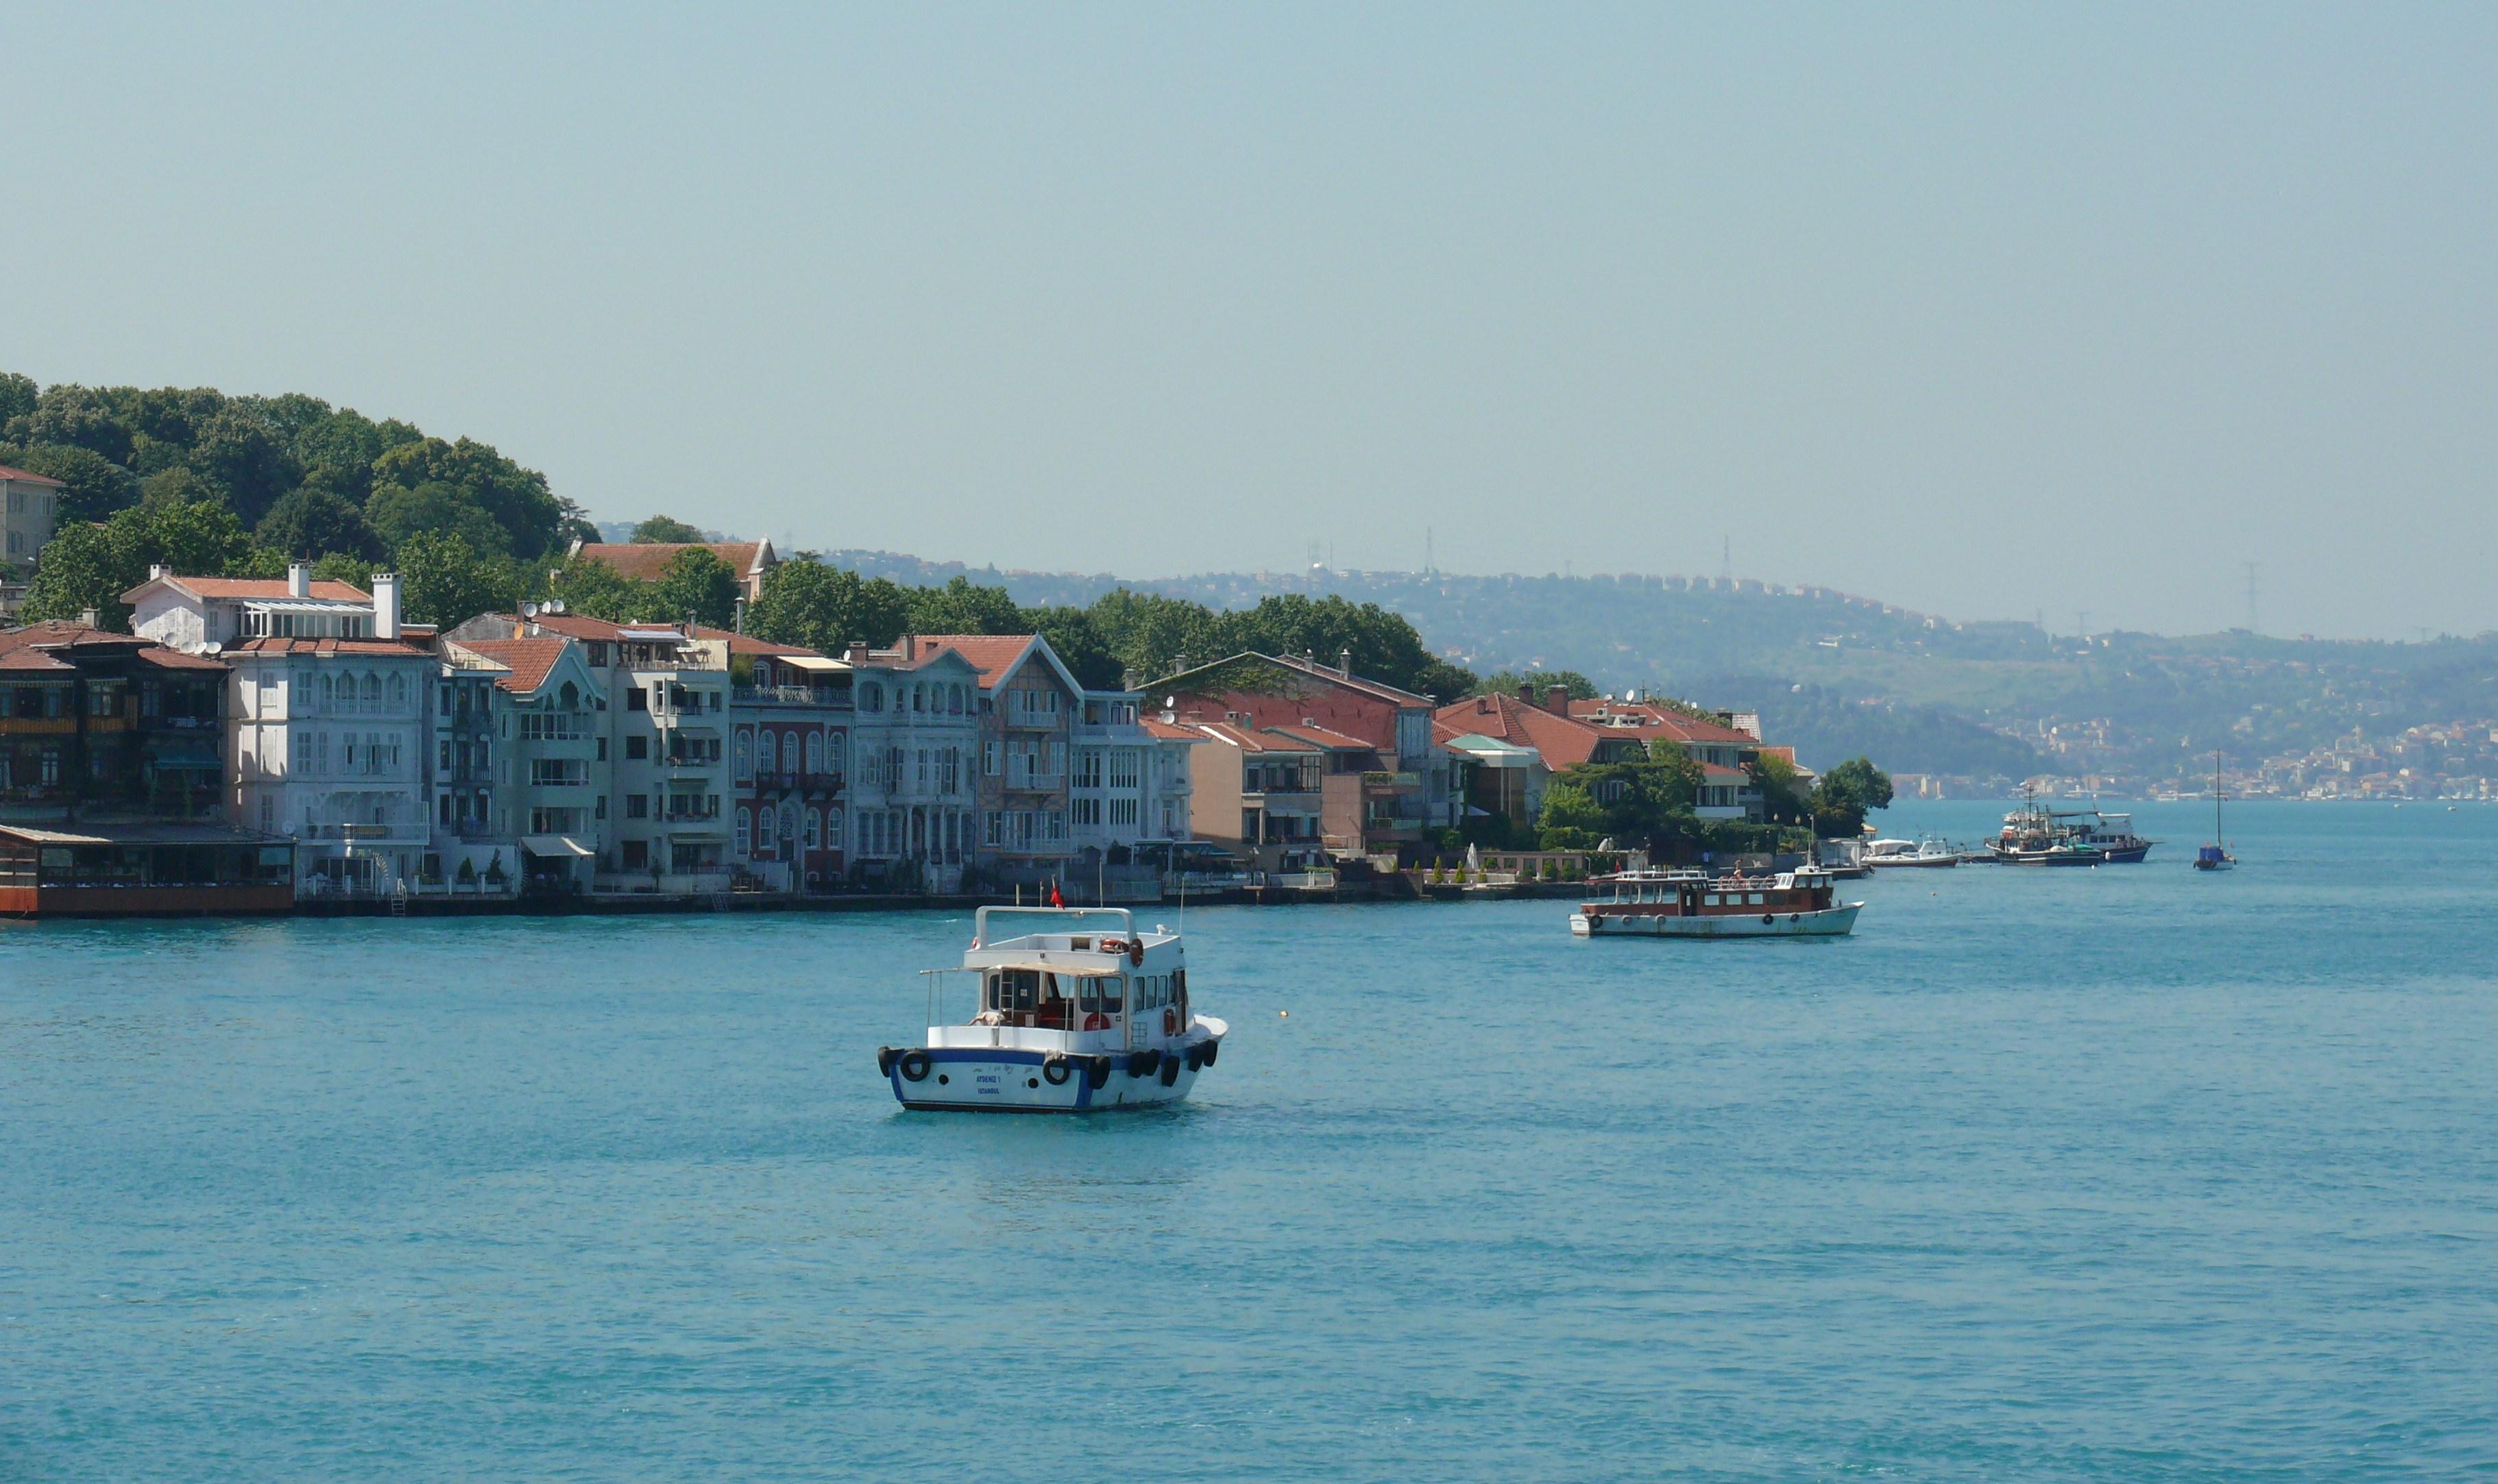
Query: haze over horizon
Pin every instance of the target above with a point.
(1978, 313)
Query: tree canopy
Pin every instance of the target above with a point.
(1845, 795)
(664, 531)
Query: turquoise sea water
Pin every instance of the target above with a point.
(2114, 1173)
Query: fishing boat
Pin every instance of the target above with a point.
(1684, 903)
(2215, 855)
(1074, 1010)
(2035, 834)
(1925, 854)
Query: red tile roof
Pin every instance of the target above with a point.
(994, 654)
(1562, 741)
(528, 660)
(748, 644)
(579, 625)
(1321, 736)
(283, 646)
(1660, 721)
(259, 587)
(1173, 733)
(53, 634)
(28, 476)
(1254, 741)
(1328, 673)
(648, 561)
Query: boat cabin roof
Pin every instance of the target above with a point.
(1062, 970)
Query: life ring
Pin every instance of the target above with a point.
(1111, 945)
(1137, 951)
(1097, 1021)
(915, 1066)
(1056, 1070)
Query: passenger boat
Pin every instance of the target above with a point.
(1078, 1009)
(2035, 834)
(1684, 903)
(1889, 854)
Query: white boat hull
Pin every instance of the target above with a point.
(972, 1078)
(1828, 923)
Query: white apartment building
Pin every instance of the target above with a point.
(914, 786)
(29, 507)
(523, 773)
(325, 735)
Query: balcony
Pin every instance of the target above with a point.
(789, 696)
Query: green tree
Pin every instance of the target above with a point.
(92, 487)
(17, 395)
(1078, 645)
(1151, 633)
(1785, 800)
(827, 608)
(175, 486)
(76, 415)
(1443, 680)
(238, 455)
(447, 582)
(515, 499)
(90, 566)
(337, 451)
(1632, 802)
(962, 607)
(664, 529)
(1845, 795)
(699, 583)
(1384, 646)
(598, 591)
(1533, 683)
(436, 507)
(339, 567)
(309, 522)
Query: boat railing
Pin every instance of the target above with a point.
(1127, 920)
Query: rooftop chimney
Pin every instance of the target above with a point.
(1556, 700)
(158, 572)
(91, 618)
(1344, 662)
(298, 579)
(857, 652)
(384, 605)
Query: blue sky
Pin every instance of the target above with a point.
(1985, 311)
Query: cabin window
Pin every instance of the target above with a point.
(1754, 898)
(1711, 900)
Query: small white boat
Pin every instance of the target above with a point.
(1084, 1010)
(1692, 904)
(1891, 855)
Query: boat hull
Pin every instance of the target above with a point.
(1004, 1080)
(1827, 922)
(2130, 855)
(1914, 862)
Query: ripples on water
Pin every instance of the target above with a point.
(2112, 1174)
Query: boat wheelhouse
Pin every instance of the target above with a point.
(1686, 903)
(2035, 834)
(1078, 1010)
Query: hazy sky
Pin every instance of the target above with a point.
(1982, 310)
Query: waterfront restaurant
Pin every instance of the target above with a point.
(143, 870)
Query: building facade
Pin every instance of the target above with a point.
(790, 717)
(29, 509)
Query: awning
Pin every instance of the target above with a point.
(652, 636)
(554, 846)
(816, 663)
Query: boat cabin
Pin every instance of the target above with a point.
(1090, 981)
(1697, 894)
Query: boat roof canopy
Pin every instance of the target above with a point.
(1062, 970)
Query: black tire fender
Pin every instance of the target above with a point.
(885, 1056)
(1097, 1071)
(1144, 1063)
(915, 1066)
(1171, 1070)
(1057, 1069)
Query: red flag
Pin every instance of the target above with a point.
(1055, 900)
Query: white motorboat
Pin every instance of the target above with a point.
(1692, 904)
(1891, 855)
(1078, 1009)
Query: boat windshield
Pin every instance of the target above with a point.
(1051, 999)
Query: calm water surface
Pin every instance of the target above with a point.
(2114, 1174)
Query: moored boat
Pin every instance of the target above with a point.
(1082, 1012)
(1801, 903)
(2215, 855)
(1925, 853)
(2035, 834)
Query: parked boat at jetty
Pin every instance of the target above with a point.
(1692, 904)
(2035, 834)
(1889, 854)
(1084, 1010)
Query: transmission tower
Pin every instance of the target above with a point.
(2252, 626)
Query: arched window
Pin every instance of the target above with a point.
(815, 753)
(328, 691)
(763, 832)
(745, 754)
(766, 758)
(814, 828)
(789, 824)
(954, 702)
(833, 829)
(399, 690)
(918, 697)
(373, 688)
(570, 697)
(834, 750)
(744, 822)
(871, 696)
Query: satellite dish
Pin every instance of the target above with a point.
(528, 610)
(554, 605)
(212, 647)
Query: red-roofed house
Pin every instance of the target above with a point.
(1029, 708)
(648, 561)
(1400, 782)
(539, 822)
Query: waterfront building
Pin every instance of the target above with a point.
(327, 725)
(113, 782)
(523, 772)
(1027, 712)
(1257, 792)
(648, 560)
(665, 723)
(30, 505)
(920, 728)
(1172, 784)
(790, 715)
(1562, 734)
(1399, 781)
